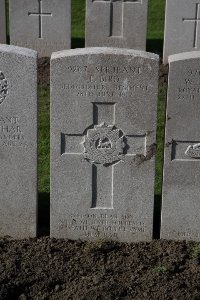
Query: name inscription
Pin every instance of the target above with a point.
(190, 88)
(107, 81)
(11, 133)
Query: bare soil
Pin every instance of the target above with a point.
(62, 269)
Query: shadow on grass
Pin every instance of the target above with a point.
(78, 43)
(43, 214)
(155, 46)
(157, 216)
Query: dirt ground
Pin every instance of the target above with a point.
(47, 268)
(62, 269)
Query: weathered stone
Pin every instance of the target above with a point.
(18, 142)
(181, 197)
(103, 130)
(119, 23)
(182, 27)
(2, 22)
(43, 25)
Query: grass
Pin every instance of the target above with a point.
(161, 269)
(196, 251)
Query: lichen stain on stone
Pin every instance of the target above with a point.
(140, 158)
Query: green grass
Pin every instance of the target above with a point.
(156, 15)
(155, 41)
(44, 140)
(196, 251)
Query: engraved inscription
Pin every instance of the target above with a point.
(188, 234)
(190, 91)
(11, 133)
(108, 81)
(103, 225)
(3, 87)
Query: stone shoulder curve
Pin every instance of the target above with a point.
(104, 50)
(184, 56)
(18, 50)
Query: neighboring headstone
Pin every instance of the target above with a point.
(182, 27)
(18, 142)
(43, 25)
(181, 188)
(2, 22)
(103, 132)
(121, 23)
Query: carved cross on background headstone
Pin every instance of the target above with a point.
(117, 15)
(103, 146)
(196, 24)
(40, 14)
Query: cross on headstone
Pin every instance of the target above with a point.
(117, 15)
(196, 24)
(102, 174)
(40, 14)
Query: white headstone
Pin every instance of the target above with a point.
(103, 131)
(181, 187)
(182, 27)
(2, 22)
(18, 142)
(43, 25)
(119, 23)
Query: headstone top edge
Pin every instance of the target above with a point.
(18, 50)
(184, 56)
(104, 50)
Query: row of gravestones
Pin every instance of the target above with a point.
(45, 25)
(103, 140)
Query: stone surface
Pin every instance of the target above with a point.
(43, 25)
(2, 22)
(181, 197)
(103, 130)
(119, 23)
(18, 142)
(182, 27)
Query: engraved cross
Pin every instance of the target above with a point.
(117, 15)
(40, 14)
(196, 24)
(103, 144)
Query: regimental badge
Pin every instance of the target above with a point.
(104, 144)
(193, 151)
(3, 87)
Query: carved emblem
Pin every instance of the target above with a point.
(193, 151)
(3, 87)
(104, 144)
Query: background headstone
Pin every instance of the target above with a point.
(43, 25)
(119, 23)
(181, 188)
(182, 27)
(18, 142)
(103, 133)
(2, 22)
